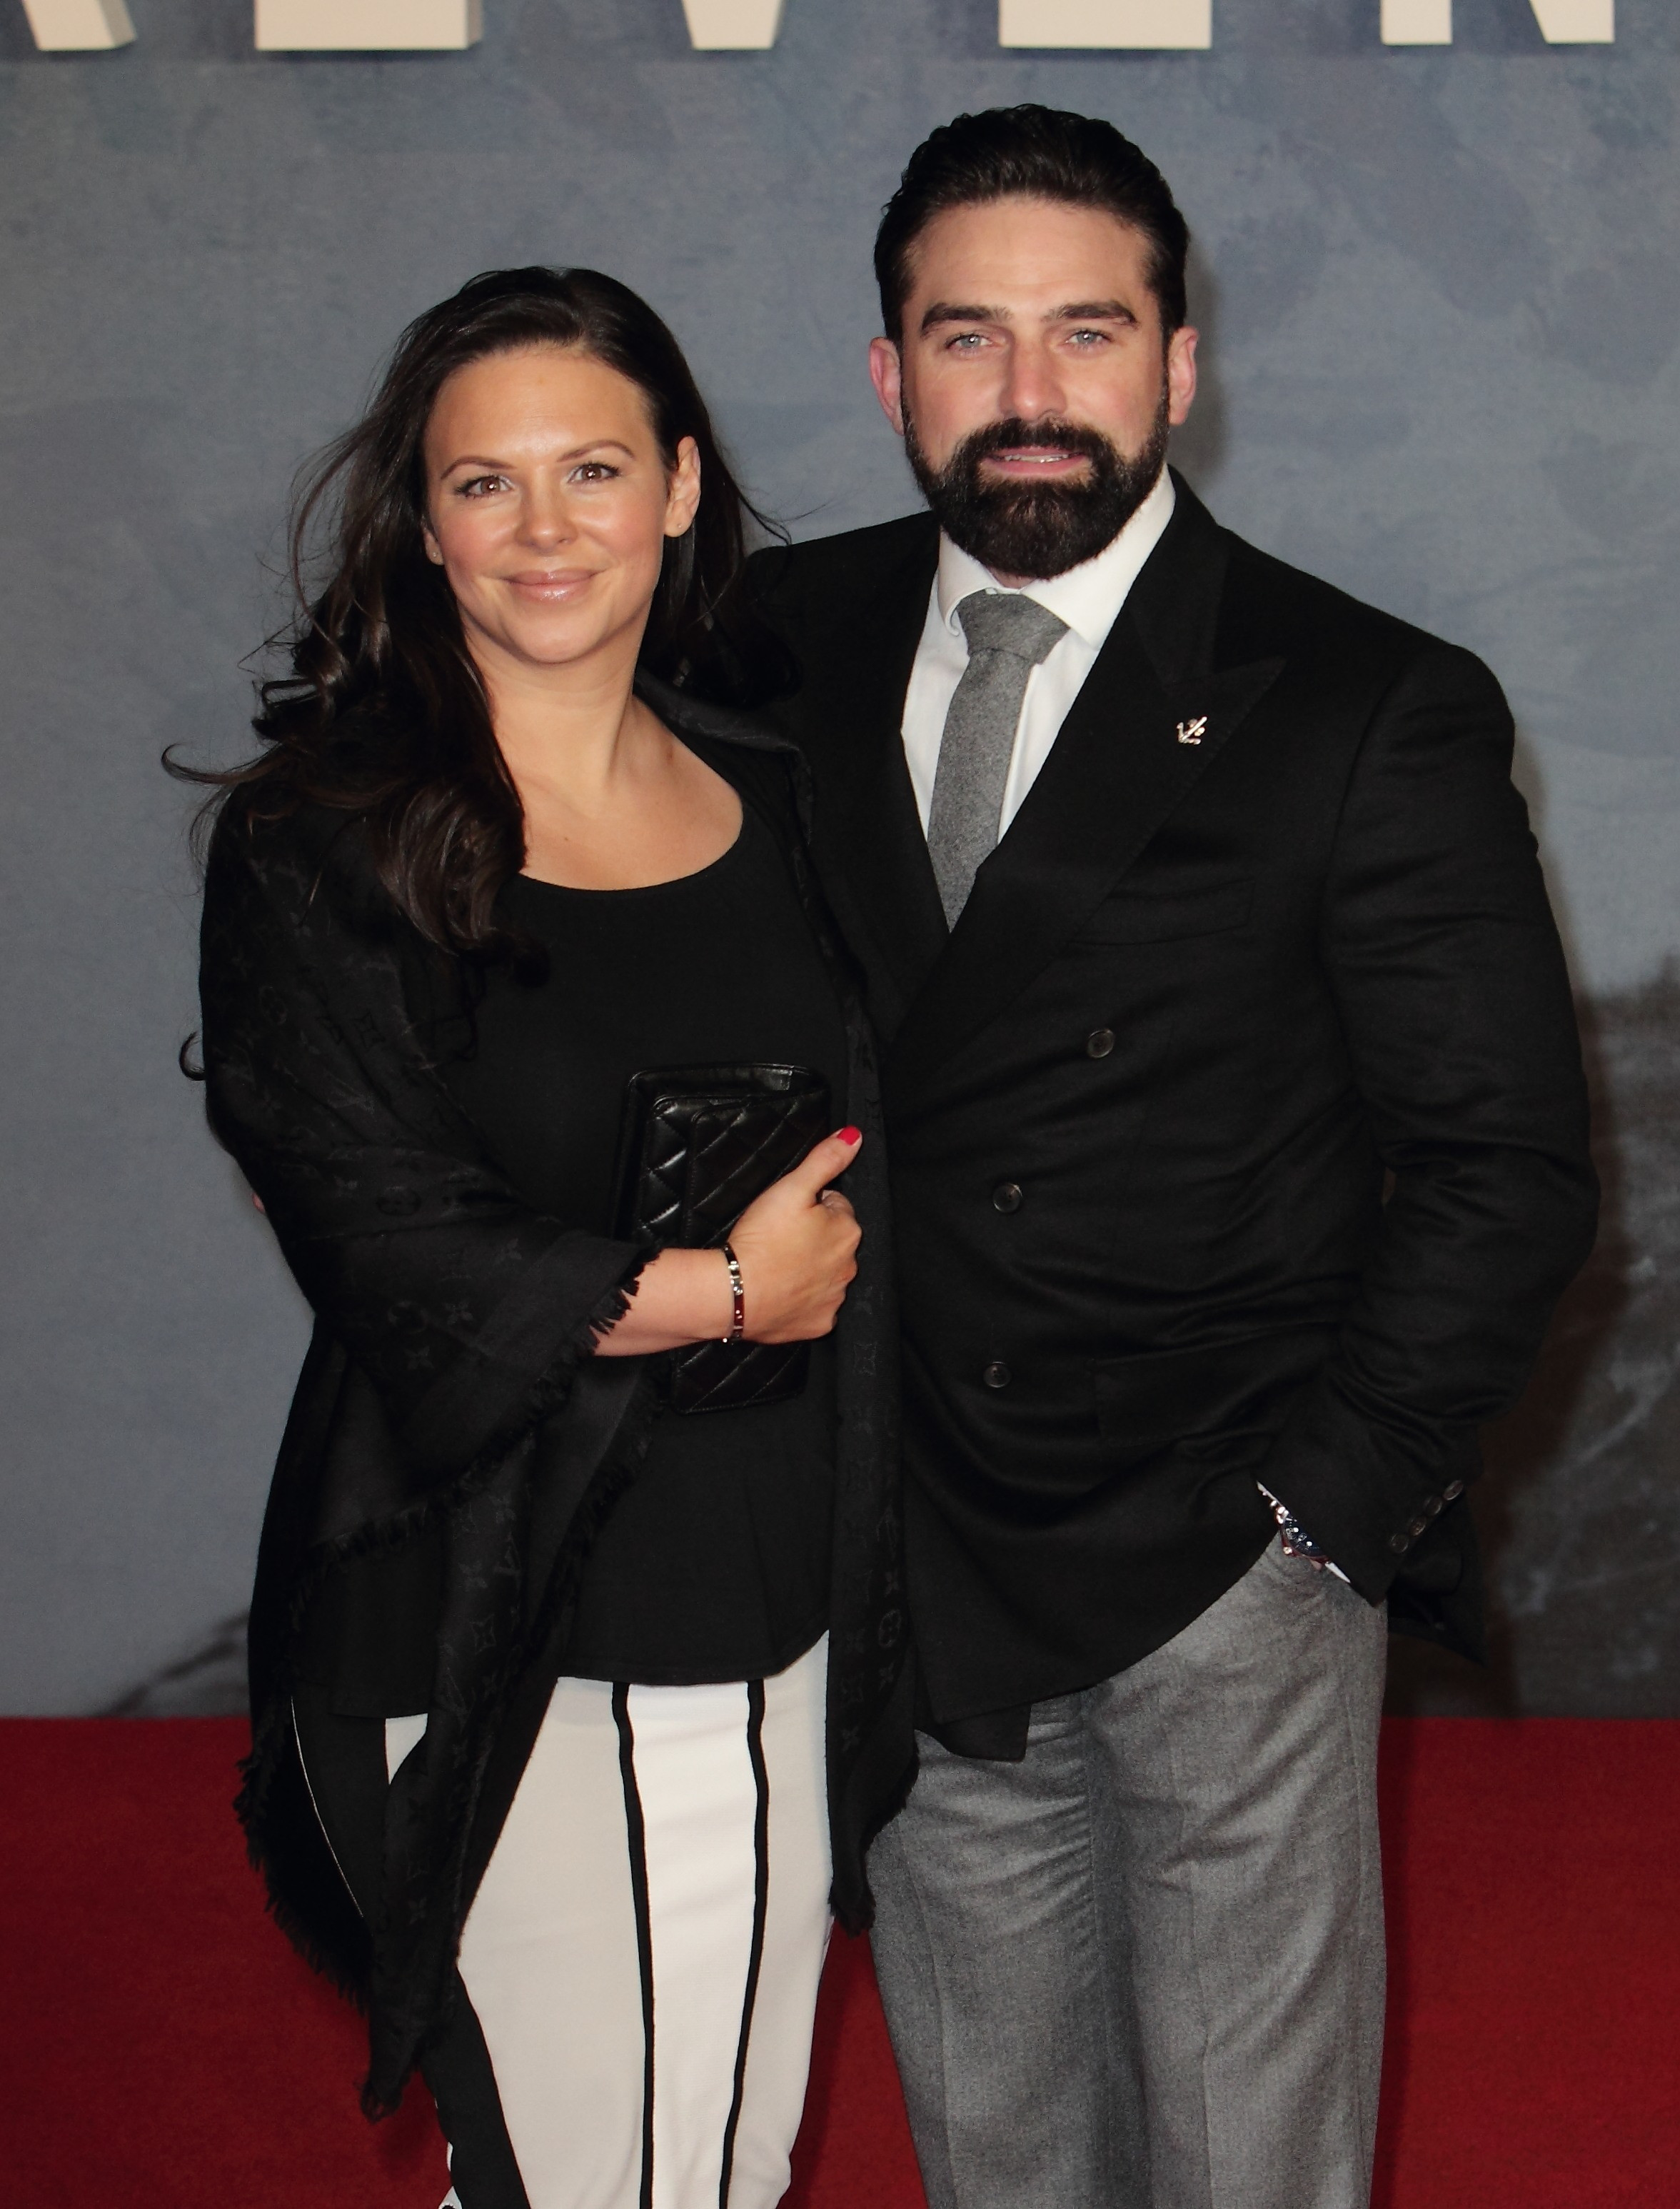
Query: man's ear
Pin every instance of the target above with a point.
(886, 373)
(1181, 374)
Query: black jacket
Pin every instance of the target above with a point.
(449, 1404)
(1267, 944)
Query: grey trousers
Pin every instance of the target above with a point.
(1143, 1968)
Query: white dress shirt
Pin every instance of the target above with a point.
(1087, 598)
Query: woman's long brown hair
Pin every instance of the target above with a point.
(382, 714)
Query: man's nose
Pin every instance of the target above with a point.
(1033, 388)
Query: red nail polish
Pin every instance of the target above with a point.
(851, 1134)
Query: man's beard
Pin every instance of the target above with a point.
(1037, 530)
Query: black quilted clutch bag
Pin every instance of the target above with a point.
(699, 1144)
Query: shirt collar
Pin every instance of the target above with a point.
(1088, 598)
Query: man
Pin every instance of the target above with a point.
(1239, 1145)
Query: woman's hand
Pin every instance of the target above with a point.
(796, 1246)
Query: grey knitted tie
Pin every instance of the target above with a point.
(1008, 636)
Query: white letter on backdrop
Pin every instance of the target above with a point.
(78, 27)
(1417, 22)
(366, 26)
(717, 26)
(1562, 22)
(1125, 23)
(1576, 22)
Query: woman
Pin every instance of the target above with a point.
(571, 1713)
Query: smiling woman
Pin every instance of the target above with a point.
(388, 649)
(553, 544)
(540, 1670)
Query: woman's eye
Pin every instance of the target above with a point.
(480, 486)
(593, 472)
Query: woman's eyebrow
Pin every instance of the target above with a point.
(589, 445)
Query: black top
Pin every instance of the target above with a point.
(715, 1564)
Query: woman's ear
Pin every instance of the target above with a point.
(434, 549)
(682, 501)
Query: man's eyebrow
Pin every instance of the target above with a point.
(1081, 310)
(947, 310)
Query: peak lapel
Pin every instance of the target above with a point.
(1150, 720)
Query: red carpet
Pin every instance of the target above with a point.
(161, 2047)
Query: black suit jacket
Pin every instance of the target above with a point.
(1238, 1130)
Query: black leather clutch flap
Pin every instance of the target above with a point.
(698, 1143)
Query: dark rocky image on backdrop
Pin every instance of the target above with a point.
(1579, 1509)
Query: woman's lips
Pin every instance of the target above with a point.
(563, 583)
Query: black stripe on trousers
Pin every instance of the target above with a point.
(636, 1829)
(755, 1750)
(638, 1833)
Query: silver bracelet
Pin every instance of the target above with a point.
(738, 1289)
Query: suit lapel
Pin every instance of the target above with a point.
(867, 835)
(1152, 716)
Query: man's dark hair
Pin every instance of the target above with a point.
(1031, 152)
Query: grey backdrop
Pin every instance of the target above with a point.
(1442, 299)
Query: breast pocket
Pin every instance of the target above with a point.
(1161, 917)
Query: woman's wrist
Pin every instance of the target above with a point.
(697, 1298)
(681, 1297)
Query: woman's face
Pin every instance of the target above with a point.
(548, 504)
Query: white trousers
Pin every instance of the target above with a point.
(643, 1952)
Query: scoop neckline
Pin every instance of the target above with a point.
(642, 889)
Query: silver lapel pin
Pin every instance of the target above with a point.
(1191, 732)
